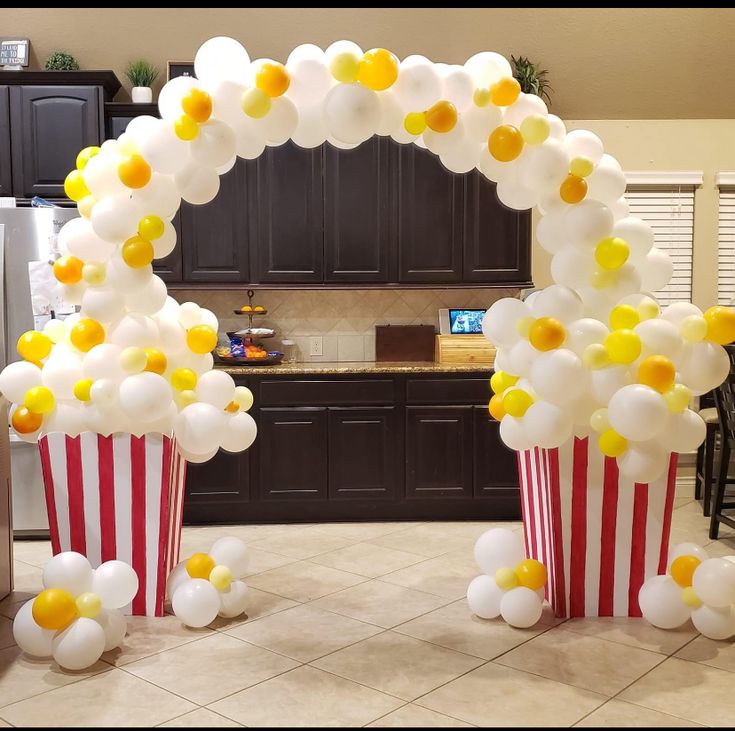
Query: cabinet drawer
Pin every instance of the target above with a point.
(448, 390)
(327, 393)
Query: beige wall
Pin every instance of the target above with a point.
(683, 144)
(605, 63)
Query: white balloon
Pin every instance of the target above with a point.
(351, 112)
(104, 393)
(103, 362)
(686, 549)
(498, 548)
(32, 639)
(280, 123)
(145, 396)
(661, 604)
(65, 418)
(458, 87)
(150, 298)
(547, 424)
(17, 378)
(115, 627)
(559, 376)
(214, 145)
(487, 68)
(115, 218)
(483, 597)
(311, 130)
(100, 175)
(68, 570)
(80, 645)
(559, 302)
(418, 85)
(196, 458)
(703, 366)
(444, 142)
(479, 122)
(216, 388)
(644, 462)
(588, 222)
(164, 245)
(160, 197)
(170, 96)
(115, 583)
(310, 76)
(176, 578)
(572, 267)
(104, 421)
(716, 623)
(199, 427)
(583, 332)
(103, 303)
(684, 432)
(163, 150)
(240, 432)
(391, 115)
(558, 128)
(656, 270)
(714, 582)
(522, 357)
(190, 314)
(637, 234)
(77, 237)
(524, 106)
(545, 166)
(233, 553)
(678, 311)
(134, 330)
(221, 58)
(234, 600)
(125, 279)
(197, 184)
(637, 412)
(659, 337)
(513, 195)
(582, 142)
(196, 603)
(521, 607)
(463, 157)
(607, 182)
(499, 323)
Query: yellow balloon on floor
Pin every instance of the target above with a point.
(137, 252)
(658, 372)
(720, 324)
(39, 400)
(495, 407)
(74, 186)
(54, 609)
(220, 577)
(201, 339)
(378, 69)
(573, 189)
(624, 317)
(200, 565)
(612, 252)
(531, 574)
(505, 143)
(623, 346)
(88, 605)
(86, 333)
(273, 79)
(183, 379)
(516, 402)
(68, 269)
(134, 172)
(690, 598)
(185, 128)
(678, 398)
(611, 443)
(441, 117)
(198, 105)
(682, 570)
(505, 92)
(546, 333)
(506, 578)
(33, 345)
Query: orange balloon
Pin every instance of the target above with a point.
(546, 333)
(505, 143)
(68, 269)
(378, 69)
(134, 171)
(197, 104)
(273, 78)
(531, 573)
(25, 421)
(658, 372)
(137, 252)
(86, 333)
(54, 609)
(441, 117)
(682, 570)
(200, 565)
(495, 407)
(156, 361)
(505, 92)
(573, 189)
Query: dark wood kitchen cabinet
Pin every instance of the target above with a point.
(6, 177)
(495, 466)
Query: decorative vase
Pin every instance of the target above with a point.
(142, 95)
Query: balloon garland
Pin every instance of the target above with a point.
(592, 353)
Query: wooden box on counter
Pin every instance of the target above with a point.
(459, 349)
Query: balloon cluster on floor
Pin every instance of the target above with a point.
(210, 584)
(76, 617)
(511, 585)
(696, 587)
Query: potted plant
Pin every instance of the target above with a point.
(61, 61)
(532, 79)
(141, 75)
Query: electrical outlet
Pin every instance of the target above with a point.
(315, 345)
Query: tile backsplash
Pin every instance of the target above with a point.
(344, 319)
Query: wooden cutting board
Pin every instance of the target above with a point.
(413, 343)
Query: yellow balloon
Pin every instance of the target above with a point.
(86, 205)
(378, 69)
(94, 273)
(595, 356)
(623, 346)
(150, 227)
(156, 361)
(85, 156)
(184, 379)
(678, 398)
(682, 570)
(495, 407)
(197, 104)
(481, 97)
(82, 389)
(624, 317)
(255, 103)
(134, 172)
(658, 372)
(531, 574)
(546, 333)
(86, 333)
(243, 397)
(599, 421)
(415, 123)
(611, 444)
(573, 189)
(344, 67)
(603, 278)
(441, 117)
(39, 400)
(690, 598)
(523, 326)
(88, 605)
(25, 421)
(500, 380)
(535, 129)
(506, 578)
(581, 166)
(201, 339)
(185, 128)
(220, 577)
(273, 78)
(184, 398)
(68, 269)
(133, 359)
(74, 186)
(720, 324)
(693, 328)
(137, 252)
(128, 146)
(516, 402)
(200, 565)
(505, 143)
(612, 252)
(54, 609)
(33, 345)
(648, 309)
(505, 92)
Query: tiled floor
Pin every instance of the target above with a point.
(366, 625)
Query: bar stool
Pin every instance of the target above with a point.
(705, 468)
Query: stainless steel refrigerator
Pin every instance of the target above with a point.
(26, 235)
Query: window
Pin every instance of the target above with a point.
(726, 251)
(665, 200)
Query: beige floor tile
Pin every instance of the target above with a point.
(710, 652)
(620, 714)
(6, 633)
(304, 633)
(306, 697)
(473, 529)
(586, 662)
(500, 697)
(13, 602)
(201, 718)
(411, 716)
(456, 628)
(24, 677)
(446, 576)
(364, 531)
(304, 581)
(26, 578)
(634, 632)
(260, 604)
(688, 690)
(35, 553)
(114, 698)
(211, 668)
(376, 602)
(680, 502)
(367, 559)
(149, 635)
(723, 547)
(301, 544)
(425, 540)
(261, 561)
(399, 665)
(4, 725)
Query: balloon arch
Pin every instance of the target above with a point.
(591, 353)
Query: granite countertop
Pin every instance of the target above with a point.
(325, 367)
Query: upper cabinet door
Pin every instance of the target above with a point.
(286, 211)
(359, 234)
(214, 237)
(6, 180)
(49, 126)
(497, 240)
(429, 218)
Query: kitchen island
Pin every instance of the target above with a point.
(361, 441)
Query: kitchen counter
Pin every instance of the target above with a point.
(348, 367)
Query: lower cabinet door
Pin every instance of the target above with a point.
(438, 451)
(292, 454)
(496, 466)
(215, 488)
(364, 446)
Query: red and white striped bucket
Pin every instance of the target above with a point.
(599, 534)
(117, 497)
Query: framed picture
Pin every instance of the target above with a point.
(180, 68)
(14, 52)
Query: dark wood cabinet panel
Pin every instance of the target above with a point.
(214, 239)
(497, 240)
(49, 126)
(118, 116)
(6, 178)
(292, 454)
(224, 479)
(438, 451)
(495, 465)
(286, 209)
(364, 445)
(359, 225)
(170, 268)
(429, 218)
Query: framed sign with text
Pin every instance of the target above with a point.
(14, 51)
(180, 68)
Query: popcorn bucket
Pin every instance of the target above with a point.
(117, 497)
(599, 534)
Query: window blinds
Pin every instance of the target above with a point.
(726, 251)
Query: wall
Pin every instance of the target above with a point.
(672, 144)
(345, 319)
(662, 62)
